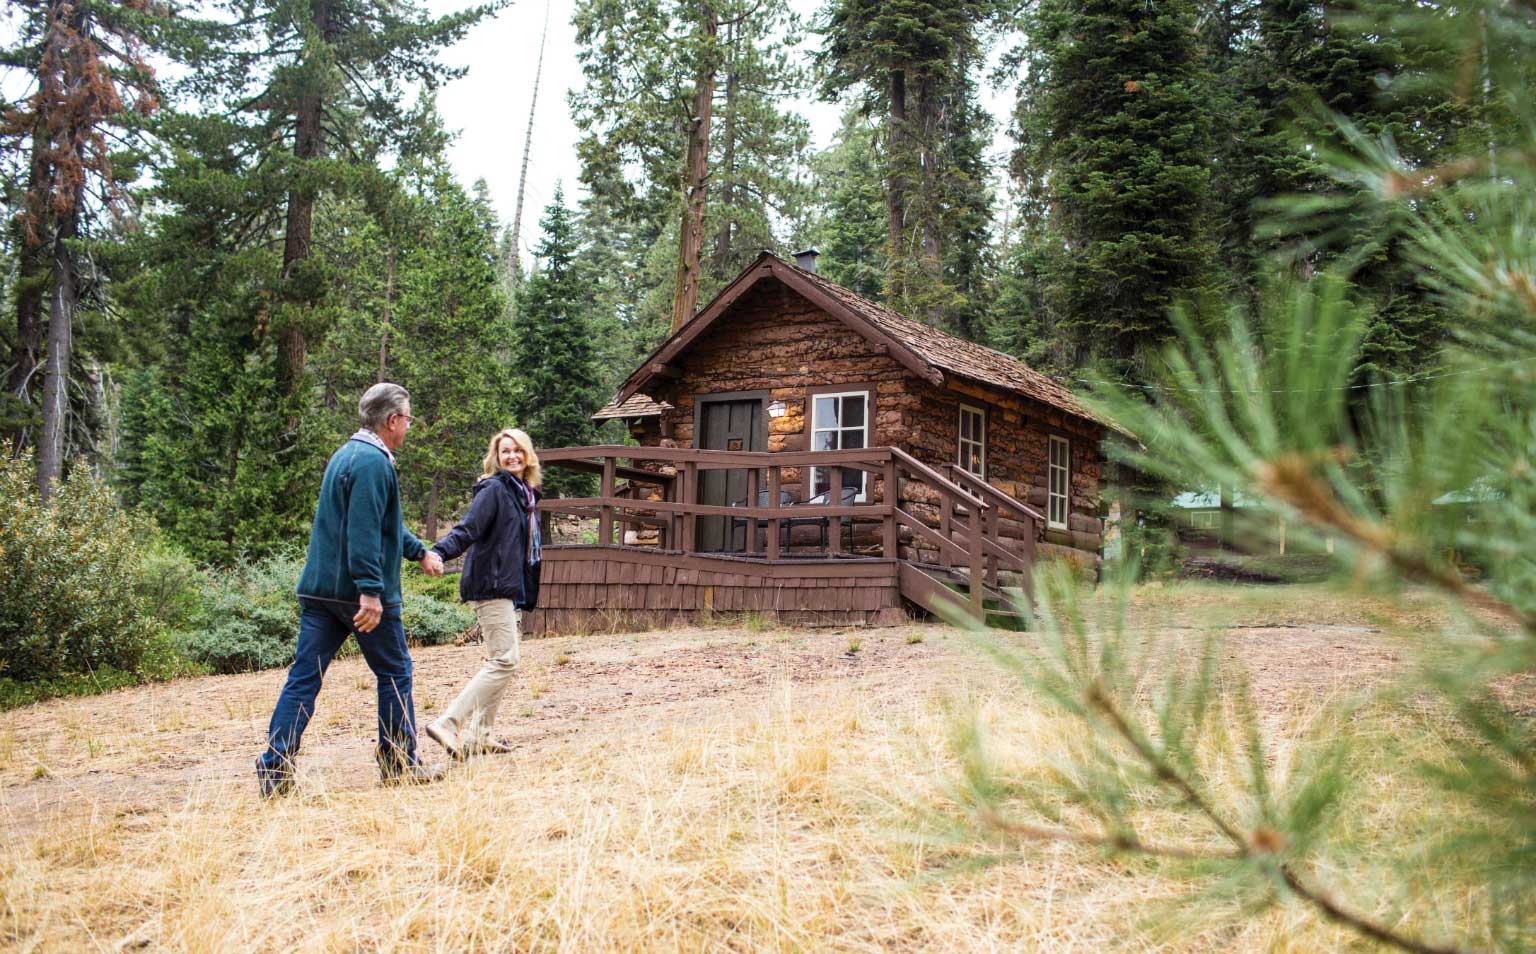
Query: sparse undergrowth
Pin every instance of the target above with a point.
(822, 816)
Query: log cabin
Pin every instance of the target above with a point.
(809, 454)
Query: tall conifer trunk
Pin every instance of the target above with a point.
(690, 239)
(929, 152)
(897, 185)
(522, 176)
(724, 239)
(32, 265)
(308, 143)
(61, 313)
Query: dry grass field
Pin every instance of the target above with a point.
(738, 788)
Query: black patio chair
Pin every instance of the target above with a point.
(847, 498)
(786, 499)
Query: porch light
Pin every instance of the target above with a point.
(777, 409)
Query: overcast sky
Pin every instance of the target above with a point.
(489, 106)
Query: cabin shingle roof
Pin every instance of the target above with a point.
(955, 355)
(924, 349)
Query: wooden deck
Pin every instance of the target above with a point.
(920, 538)
(605, 588)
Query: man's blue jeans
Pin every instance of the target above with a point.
(323, 627)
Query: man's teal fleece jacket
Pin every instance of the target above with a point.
(358, 537)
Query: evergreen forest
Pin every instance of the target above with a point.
(225, 221)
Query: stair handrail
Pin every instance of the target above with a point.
(934, 477)
(1003, 500)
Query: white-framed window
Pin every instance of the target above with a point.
(1204, 519)
(1059, 496)
(839, 422)
(972, 454)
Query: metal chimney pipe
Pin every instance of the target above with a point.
(807, 259)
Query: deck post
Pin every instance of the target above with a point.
(978, 587)
(674, 494)
(751, 541)
(774, 477)
(691, 496)
(992, 519)
(946, 524)
(605, 512)
(888, 538)
(835, 524)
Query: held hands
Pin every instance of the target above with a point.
(432, 564)
(369, 612)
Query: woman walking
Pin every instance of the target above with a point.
(499, 538)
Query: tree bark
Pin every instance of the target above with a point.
(389, 311)
(299, 227)
(724, 239)
(690, 239)
(928, 159)
(522, 176)
(434, 495)
(896, 185)
(32, 266)
(61, 312)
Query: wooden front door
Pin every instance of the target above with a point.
(735, 425)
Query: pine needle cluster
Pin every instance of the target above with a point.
(1424, 484)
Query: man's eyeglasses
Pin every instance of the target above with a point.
(409, 419)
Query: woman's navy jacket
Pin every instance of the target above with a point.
(493, 536)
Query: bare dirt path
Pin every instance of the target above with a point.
(144, 751)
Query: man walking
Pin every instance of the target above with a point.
(351, 584)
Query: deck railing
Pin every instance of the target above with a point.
(967, 523)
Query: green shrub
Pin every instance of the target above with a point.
(432, 622)
(161, 662)
(444, 589)
(249, 617)
(71, 579)
(171, 585)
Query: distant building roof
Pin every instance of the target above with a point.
(637, 405)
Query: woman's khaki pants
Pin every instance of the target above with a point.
(469, 719)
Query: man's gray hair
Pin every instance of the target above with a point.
(379, 402)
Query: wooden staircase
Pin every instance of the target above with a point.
(946, 593)
(972, 547)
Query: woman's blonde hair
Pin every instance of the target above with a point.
(533, 475)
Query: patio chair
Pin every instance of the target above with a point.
(786, 499)
(846, 498)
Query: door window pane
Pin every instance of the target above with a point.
(853, 411)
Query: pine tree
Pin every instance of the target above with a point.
(554, 355)
(911, 62)
(91, 81)
(689, 95)
(1114, 115)
(321, 90)
(1272, 407)
(849, 223)
(451, 343)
